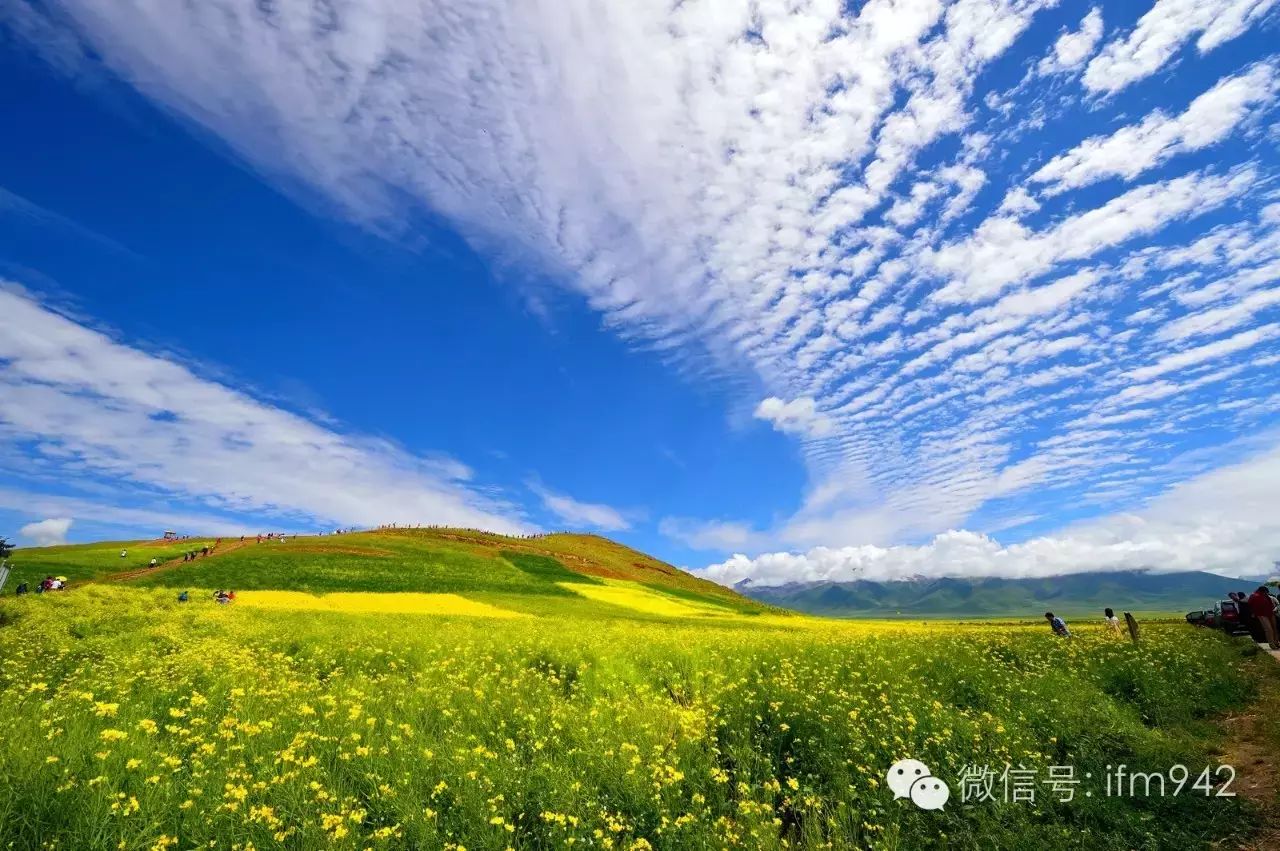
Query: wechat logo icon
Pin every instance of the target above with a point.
(911, 778)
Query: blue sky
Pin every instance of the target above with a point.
(799, 291)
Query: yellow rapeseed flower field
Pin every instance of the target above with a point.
(353, 721)
(357, 602)
(632, 595)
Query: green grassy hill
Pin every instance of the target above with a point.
(586, 573)
(82, 562)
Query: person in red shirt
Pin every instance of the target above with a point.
(1264, 609)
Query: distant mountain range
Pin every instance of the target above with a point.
(1074, 594)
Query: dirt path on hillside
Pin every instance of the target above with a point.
(1253, 749)
(126, 575)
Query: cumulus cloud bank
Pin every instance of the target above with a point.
(47, 533)
(1224, 521)
(994, 292)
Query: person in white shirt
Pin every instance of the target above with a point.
(1110, 620)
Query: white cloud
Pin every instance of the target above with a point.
(1209, 351)
(88, 406)
(46, 34)
(712, 535)
(1132, 150)
(572, 511)
(1224, 521)
(799, 416)
(148, 520)
(1163, 30)
(1003, 251)
(1073, 48)
(907, 210)
(1017, 202)
(1216, 320)
(47, 533)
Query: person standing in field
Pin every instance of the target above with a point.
(1110, 620)
(1264, 609)
(1058, 625)
(1247, 619)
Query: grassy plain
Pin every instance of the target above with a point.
(613, 713)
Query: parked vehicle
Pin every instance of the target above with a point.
(1229, 618)
(1211, 618)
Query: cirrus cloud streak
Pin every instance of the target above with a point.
(86, 407)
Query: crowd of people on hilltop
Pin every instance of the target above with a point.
(1259, 614)
(384, 527)
(532, 536)
(269, 537)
